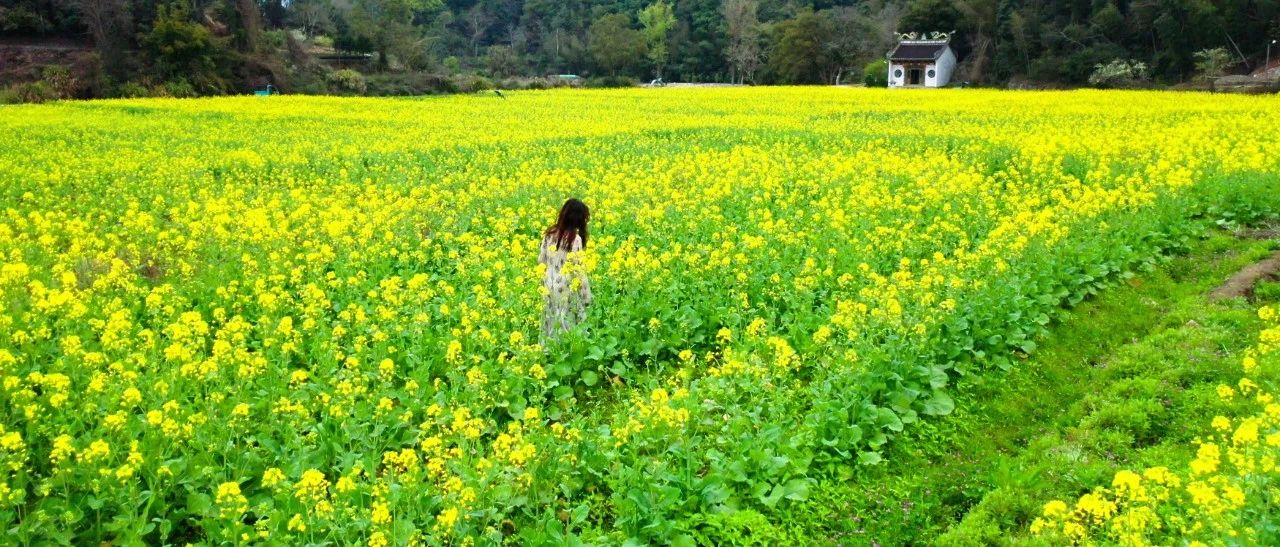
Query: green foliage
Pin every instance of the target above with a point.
(1213, 63)
(9, 95)
(347, 81)
(656, 22)
(876, 73)
(1119, 73)
(273, 39)
(1054, 42)
(502, 62)
(1267, 291)
(36, 92)
(132, 90)
(799, 54)
(452, 65)
(614, 45)
(737, 528)
(182, 48)
(179, 89)
(610, 81)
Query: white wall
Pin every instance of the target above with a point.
(943, 70)
(946, 66)
(897, 81)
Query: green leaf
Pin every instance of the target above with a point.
(937, 377)
(590, 378)
(198, 503)
(869, 458)
(939, 405)
(796, 489)
(888, 419)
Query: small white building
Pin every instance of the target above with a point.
(920, 61)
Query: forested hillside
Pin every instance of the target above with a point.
(229, 46)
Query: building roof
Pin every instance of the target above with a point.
(918, 51)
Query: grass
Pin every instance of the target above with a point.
(1123, 381)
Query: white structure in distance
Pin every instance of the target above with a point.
(922, 60)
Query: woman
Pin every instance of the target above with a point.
(566, 292)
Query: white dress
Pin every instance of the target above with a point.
(563, 306)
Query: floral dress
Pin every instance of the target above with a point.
(566, 293)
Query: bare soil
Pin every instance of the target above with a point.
(1241, 284)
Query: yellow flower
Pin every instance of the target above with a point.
(272, 476)
(380, 514)
(446, 519)
(232, 502)
(1055, 509)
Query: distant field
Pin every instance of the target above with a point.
(306, 320)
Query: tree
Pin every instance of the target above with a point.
(851, 39)
(109, 26)
(501, 61)
(931, 16)
(656, 21)
(312, 16)
(387, 25)
(478, 22)
(250, 25)
(799, 54)
(184, 49)
(742, 24)
(614, 45)
(876, 73)
(1119, 73)
(1212, 64)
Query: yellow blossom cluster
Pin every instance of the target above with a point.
(317, 318)
(1221, 494)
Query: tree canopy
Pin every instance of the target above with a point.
(763, 41)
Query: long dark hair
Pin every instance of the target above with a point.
(572, 221)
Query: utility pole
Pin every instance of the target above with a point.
(1268, 65)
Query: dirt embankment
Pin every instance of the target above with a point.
(1242, 283)
(21, 63)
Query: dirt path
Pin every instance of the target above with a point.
(1242, 283)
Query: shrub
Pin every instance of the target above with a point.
(183, 48)
(1119, 73)
(132, 90)
(452, 65)
(36, 92)
(1213, 63)
(60, 80)
(502, 61)
(410, 83)
(876, 73)
(470, 83)
(347, 81)
(273, 39)
(179, 88)
(9, 95)
(611, 81)
(322, 41)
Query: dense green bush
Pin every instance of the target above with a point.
(182, 48)
(36, 92)
(410, 83)
(9, 95)
(347, 81)
(131, 90)
(470, 83)
(179, 88)
(876, 73)
(60, 80)
(611, 81)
